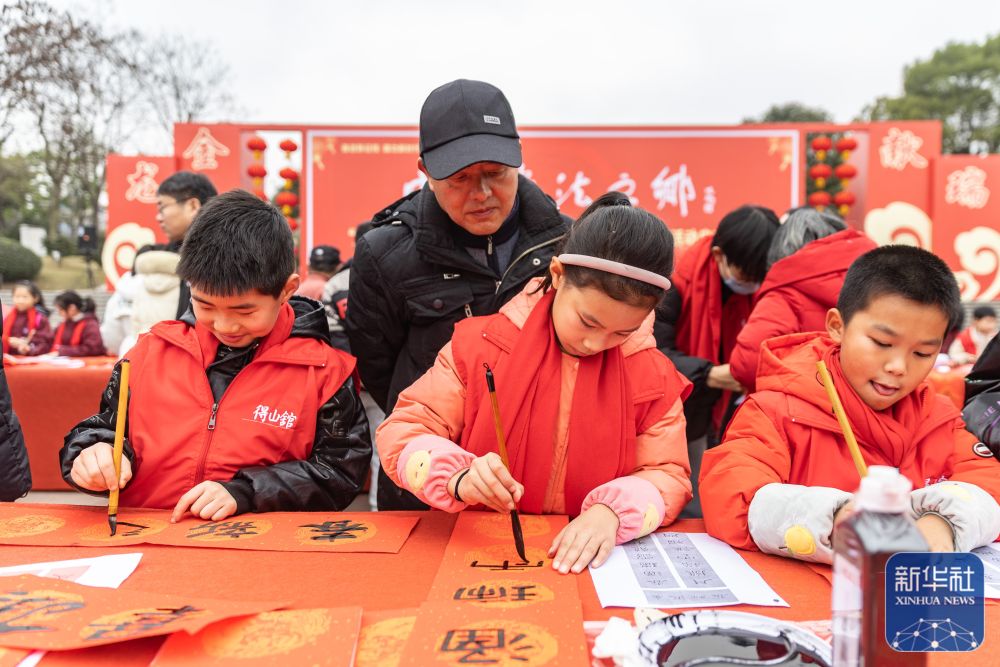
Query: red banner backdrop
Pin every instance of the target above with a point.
(689, 176)
(132, 182)
(966, 233)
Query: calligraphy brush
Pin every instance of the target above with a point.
(845, 426)
(515, 521)
(116, 456)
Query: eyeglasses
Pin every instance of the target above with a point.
(162, 207)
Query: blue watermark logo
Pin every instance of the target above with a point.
(934, 602)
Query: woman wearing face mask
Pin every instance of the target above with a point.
(807, 262)
(702, 315)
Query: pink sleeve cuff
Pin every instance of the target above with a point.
(427, 464)
(636, 501)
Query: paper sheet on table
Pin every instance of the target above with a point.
(47, 360)
(101, 571)
(679, 570)
(990, 555)
(51, 614)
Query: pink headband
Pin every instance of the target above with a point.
(616, 268)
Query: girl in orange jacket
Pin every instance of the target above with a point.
(591, 409)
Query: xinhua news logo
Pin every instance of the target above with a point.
(934, 602)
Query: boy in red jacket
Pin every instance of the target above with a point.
(783, 475)
(244, 406)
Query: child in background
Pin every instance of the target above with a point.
(26, 328)
(970, 343)
(242, 405)
(591, 409)
(79, 333)
(783, 476)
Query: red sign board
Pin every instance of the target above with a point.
(966, 233)
(905, 191)
(690, 177)
(132, 182)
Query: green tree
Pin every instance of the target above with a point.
(22, 196)
(792, 112)
(958, 85)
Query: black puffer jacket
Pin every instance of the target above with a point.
(982, 397)
(15, 476)
(329, 479)
(698, 405)
(410, 283)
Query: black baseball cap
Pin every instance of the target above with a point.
(324, 257)
(465, 122)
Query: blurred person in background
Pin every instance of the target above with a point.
(970, 343)
(702, 314)
(324, 262)
(807, 261)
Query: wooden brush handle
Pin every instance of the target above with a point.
(120, 418)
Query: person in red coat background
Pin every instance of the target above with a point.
(79, 335)
(26, 327)
(807, 261)
(701, 315)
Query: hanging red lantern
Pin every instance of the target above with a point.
(844, 201)
(292, 223)
(819, 200)
(821, 145)
(289, 147)
(287, 201)
(845, 173)
(257, 145)
(261, 194)
(257, 173)
(845, 145)
(290, 175)
(819, 173)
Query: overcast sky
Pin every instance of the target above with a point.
(559, 62)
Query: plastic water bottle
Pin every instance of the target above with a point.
(879, 527)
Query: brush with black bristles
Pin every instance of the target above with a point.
(515, 521)
(119, 447)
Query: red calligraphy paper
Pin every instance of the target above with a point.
(133, 653)
(488, 606)
(383, 636)
(334, 532)
(480, 557)
(292, 637)
(528, 636)
(50, 614)
(12, 657)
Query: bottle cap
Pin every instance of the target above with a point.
(883, 490)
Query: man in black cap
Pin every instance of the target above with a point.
(461, 246)
(324, 262)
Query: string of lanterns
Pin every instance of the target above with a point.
(830, 182)
(287, 199)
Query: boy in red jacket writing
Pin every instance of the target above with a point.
(244, 406)
(783, 475)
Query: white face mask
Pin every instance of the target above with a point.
(738, 286)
